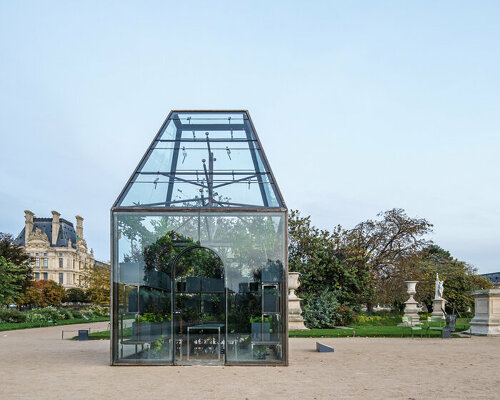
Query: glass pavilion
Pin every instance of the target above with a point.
(199, 249)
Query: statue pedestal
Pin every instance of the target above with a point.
(295, 319)
(438, 307)
(411, 310)
(486, 321)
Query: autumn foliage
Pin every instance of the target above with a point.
(43, 294)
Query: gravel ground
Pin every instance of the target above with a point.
(36, 363)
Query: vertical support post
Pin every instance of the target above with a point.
(173, 165)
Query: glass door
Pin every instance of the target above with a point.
(199, 307)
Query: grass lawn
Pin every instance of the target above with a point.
(104, 335)
(26, 325)
(379, 329)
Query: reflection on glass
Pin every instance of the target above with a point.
(201, 288)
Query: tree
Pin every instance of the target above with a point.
(75, 295)
(391, 239)
(328, 262)
(12, 252)
(460, 279)
(96, 278)
(43, 294)
(388, 242)
(12, 279)
(16, 255)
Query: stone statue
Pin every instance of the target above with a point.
(438, 292)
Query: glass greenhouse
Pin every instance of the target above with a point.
(199, 249)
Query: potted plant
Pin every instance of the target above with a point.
(259, 352)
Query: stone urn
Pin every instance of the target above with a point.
(412, 288)
(411, 309)
(295, 319)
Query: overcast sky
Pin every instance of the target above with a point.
(360, 106)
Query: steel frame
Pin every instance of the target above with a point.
(205, 209)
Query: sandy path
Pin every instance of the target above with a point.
(36, 363)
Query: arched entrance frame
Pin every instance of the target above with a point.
(174, 292)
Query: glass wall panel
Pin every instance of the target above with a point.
(199, 287)
(199, 160)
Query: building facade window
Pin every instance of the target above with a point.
(37, 262)
(45, 276)
(74, 278)
(36, 254)
(37, 276)
(61, 277)
(60, 262)
(45, 262)
(45, 254)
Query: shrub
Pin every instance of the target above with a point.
(66, 313)
(12, 315)
(96, 311)
(324, 311)
(75, 295)
(366, 319)
(76, 313)
(34, 316)
(51, 313)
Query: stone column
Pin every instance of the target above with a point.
(411, 309)
(295, 319)
(56, 225)
(486, 321)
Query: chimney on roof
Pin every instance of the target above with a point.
(28, 225)
(56, 226)
(79, 228)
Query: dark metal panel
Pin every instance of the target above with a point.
(211, 127)
(211, 111)
(212, 140)
(162, 210)
(285, 309)
(193, 172)
(114, 295)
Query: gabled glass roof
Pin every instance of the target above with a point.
(203, 159)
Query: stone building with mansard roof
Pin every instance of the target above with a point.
(57, 252)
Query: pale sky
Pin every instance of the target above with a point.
(360, 106)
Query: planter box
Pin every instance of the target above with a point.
(181, 286)
(212, 285)
(192, 284)
(271, 303)
(261, 331)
